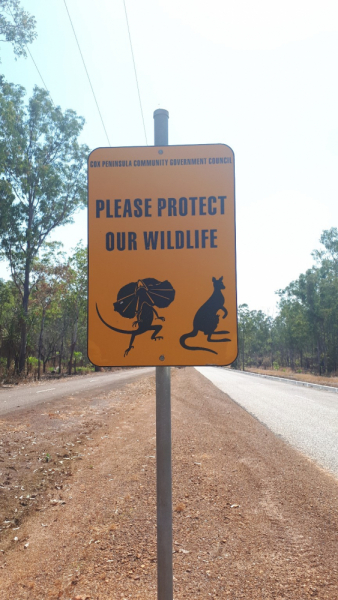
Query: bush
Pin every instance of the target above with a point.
(84, 370)
(32, 362)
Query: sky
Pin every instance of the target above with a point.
(259, 76)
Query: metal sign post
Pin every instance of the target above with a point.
(163, 440)
(162, 276)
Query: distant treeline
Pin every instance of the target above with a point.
(56, 320)
(303, 335)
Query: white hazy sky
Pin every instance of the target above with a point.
(259, 76)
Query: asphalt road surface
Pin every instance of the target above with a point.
(25, 396)
(307, 418)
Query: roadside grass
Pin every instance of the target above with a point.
(289, 374)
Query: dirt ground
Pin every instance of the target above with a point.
(329, 381)
(253, 518)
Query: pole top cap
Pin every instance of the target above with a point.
(161, 111)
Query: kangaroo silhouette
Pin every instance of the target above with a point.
(144, 314)
(206, 319)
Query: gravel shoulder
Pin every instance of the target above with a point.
(253, 518)
(307, 418)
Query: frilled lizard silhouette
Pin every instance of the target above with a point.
(138, 299)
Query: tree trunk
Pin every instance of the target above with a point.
(72, 347)
(70, 364)
(25, 299)
(40, 343)
(23, 343)
(318, 357)
(60, 357)
(324, 350)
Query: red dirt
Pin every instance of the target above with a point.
(253, 518)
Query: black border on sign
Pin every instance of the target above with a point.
(161, 146)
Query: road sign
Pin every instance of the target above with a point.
(162, 265)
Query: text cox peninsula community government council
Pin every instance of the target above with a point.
(139, 208)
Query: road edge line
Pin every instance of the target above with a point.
(325, 388)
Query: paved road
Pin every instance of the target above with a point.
(305, 417)
(25, 396)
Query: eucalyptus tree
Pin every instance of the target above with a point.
(17, 26)
(43, 181)
(75, 300)
(327, 266)
(9, 324)
(50, 282)
(308, 311)
(245, 329)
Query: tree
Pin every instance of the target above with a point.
(43, 181)
(17, 26)
(254, 336)
(75, 300)
(9, 319)
(49, 286)
(329, 255)
(308, 317)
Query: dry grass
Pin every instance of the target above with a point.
(289, 374)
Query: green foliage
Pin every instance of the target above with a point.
(57, 317)
(10, 313)
(43, 172)
(84, 370)
(304, 334)
(32, 361)
(17, 26)
(76, 299)
(254, 333)
(43, 182)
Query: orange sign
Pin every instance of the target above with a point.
(162, 264)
